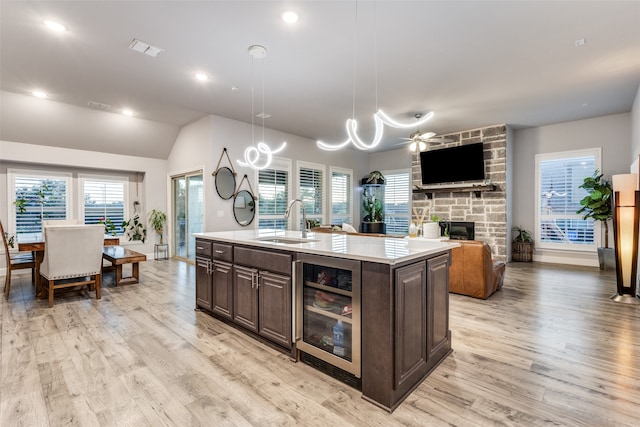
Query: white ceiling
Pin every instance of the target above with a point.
(474, 63)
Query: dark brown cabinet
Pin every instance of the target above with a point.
(411, 325)
(204, 282)
(405, 326)
(245, 297)
(250, 287)
(275, 307)
(222, 299)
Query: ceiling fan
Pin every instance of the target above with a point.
(418, 140)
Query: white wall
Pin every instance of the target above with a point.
(200, 144)
(635, 127)
(152, 187)
(390, 160)
(612, 133)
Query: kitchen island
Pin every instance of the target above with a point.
(370, 311)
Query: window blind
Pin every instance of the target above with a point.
(397, 202)
(559, 198)
(104, 200)
(39, 198)
(341, 198)
(273, 196)
(311, 192)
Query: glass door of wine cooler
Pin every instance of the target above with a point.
(328, 310)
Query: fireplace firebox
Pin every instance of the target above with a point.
(458, 230)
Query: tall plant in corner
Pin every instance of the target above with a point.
(596, 204)
(158, 219)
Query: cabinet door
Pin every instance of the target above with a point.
(222, 301)
(438, 299)
(410, 323)
(275, 307)
(203, 284)
(245, 297)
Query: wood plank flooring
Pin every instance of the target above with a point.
(549, 349)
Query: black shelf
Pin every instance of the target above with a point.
(475, 189)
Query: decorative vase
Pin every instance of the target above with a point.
(430, 230)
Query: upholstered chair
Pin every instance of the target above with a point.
(72, 257)
(15, 261)
(473, 271)
(61, 222)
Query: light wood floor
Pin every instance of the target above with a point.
(549, 349)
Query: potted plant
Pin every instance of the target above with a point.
(522, 245)
(373, 203)
(158, 219)
(134, 229)
(597, 206)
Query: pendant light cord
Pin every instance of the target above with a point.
(375, 51)
(355, 61)
(253, 131)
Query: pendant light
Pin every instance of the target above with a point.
(380, 118)
(258, 156)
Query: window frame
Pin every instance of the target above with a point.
(349, 192)
(279, 164)
(13, 173)
(104, 178)
(597, 228)
(322, 217)
(407, 214)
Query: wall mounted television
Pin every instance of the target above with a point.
(453, 164)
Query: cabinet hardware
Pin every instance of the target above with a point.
(218, 251)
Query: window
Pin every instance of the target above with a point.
(341, 196)
(38, 196)
(558, 176)
(311, 190)
(397, 201)
(104, 199)
(273, 195)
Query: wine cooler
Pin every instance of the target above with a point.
(328, 310)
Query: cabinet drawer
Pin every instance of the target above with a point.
(203, 248)
(223, 252)
(276, 262)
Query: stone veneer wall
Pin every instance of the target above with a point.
(488, 211)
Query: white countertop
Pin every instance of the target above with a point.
(385, 250)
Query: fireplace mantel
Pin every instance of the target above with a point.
(475, 189)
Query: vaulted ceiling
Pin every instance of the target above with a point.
(474, 63)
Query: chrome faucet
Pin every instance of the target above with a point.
(304, 216)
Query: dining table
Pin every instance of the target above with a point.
(36, 245)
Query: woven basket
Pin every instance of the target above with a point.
(522, 251)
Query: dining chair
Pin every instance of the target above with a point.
(72, 257)
(15, 261)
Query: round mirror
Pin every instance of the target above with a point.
(225, 183)
(244, 207)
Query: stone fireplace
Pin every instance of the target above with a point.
(486, 209)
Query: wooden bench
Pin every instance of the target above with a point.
(118, 256)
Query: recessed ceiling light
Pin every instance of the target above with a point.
(585, 104)
(263, 115)
(580, 42)
(127, 112)
(39, 94)
(202, 77)
(234, 88)
(290, 17)
(55, 26)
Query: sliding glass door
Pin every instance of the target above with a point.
(188, 213)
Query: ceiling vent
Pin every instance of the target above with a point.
(145, 48)
(98, 105)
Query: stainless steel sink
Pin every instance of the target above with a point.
(285, 240)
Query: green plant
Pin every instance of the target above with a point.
(372, 207)
(158, 219)
(375, 176)
(134, 229)
(109, 226)
(597, 203)
(435, 218)
(11, 239)
(21, 205)
(522, 235)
